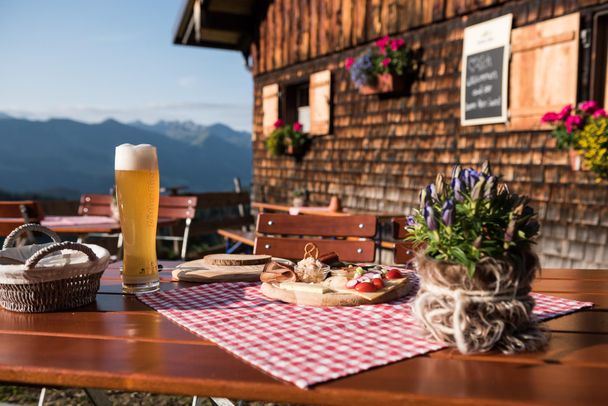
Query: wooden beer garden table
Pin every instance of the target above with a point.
(120, 343)
(90, 224)
(319, 210)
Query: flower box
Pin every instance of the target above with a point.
(385, 83)
(576, 160)
(388, 67)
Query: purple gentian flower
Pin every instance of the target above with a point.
(489, 190)
(457, 188)
(456, 171)
(470, 177)
(429, 218)
(448, 213)
(411, 221)
(432, 191)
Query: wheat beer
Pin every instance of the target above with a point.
(137, 189)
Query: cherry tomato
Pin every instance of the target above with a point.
(393, 274)
(365, 287)
(377, 282)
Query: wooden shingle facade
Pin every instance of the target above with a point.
(378, 152)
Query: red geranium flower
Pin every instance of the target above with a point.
(279, 123)
(397, 43)
(297, 126)
(549, 117)
(589, 106)
(349, 62)
(382, 42)
(573, 122)
(561, 116)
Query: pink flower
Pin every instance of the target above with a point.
(599, 113)
(549, 117)
(573, 122)
(297, 126)
(561, 116)
(349, 62)
(588, 106)
(382, 42)
(397, 43)
(386, 62)
(279, 123)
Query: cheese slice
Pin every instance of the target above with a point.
(303, 287)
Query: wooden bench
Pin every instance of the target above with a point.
(16, 213)
(227, 214)
(284, 236)
(237, 231)
(179, 208)
(403, 250)
(169, 207)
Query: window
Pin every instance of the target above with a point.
(599, 55)
(295, 104)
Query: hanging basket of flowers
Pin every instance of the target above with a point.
(477, 264)
(288, 140)
(568, 124)
(387, 67)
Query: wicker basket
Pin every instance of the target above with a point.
(49, 277)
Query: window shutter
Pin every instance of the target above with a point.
(270, 107)
(320, 102)
(544, 66)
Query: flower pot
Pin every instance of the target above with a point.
(298, 202)
(385, 83)
(335, 205)
(295, 150)
(576, 160)
(492, 310)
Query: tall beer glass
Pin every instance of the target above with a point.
(137, 189)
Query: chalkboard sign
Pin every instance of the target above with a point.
(485, 72)
(483, 87)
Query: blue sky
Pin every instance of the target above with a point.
(91, 60)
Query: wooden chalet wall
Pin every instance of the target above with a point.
(382, 151)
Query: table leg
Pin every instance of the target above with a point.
(98, 397)
(41, 397)
(198, 401)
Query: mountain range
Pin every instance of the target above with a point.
(64, 158)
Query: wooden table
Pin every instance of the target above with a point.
(74, 224)
(120, 343)
(319, 211)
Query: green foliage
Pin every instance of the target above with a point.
(275, 143)
(470, 217)
(592, 142)
(284, 140)
(565, 139)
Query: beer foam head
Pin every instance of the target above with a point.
(135, 157)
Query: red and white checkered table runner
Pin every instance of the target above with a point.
(306, 345)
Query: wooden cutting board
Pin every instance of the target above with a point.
(199, 271)
(336, 298)
(236, 259)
